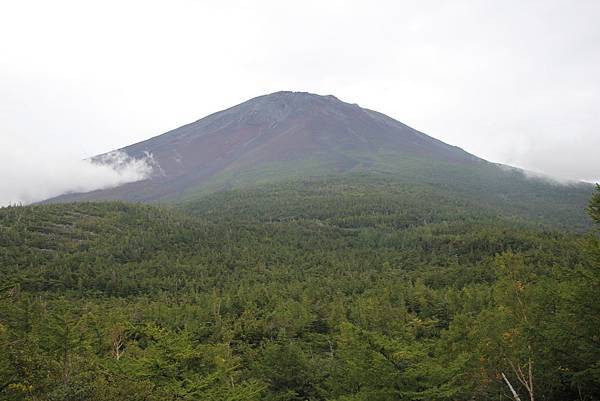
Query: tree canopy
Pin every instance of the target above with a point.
(324, 292)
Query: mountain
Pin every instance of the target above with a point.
(295, 136)
(301, 129)
(315, 251)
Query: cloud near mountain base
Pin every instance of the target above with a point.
(27, 179)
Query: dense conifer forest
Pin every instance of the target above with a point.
(316, 290)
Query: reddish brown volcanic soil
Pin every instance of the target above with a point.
(279, 127)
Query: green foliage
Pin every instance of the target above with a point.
(594, 206)
(483, 186)
(325, 290)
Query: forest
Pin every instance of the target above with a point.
(330, 289)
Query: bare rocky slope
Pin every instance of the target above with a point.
(302, 129)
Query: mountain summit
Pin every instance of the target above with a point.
(299, 136)
(275, 136)
(286, 127)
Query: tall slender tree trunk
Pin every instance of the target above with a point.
(512, 390)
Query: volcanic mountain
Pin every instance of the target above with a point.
(298, 135)
(288, 131)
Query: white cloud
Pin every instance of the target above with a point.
(30, 176)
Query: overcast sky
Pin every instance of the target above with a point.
(516, 82)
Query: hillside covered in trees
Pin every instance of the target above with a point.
(330, 289)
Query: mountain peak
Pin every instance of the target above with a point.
(284, 133)
(298, 94)
(296, 99)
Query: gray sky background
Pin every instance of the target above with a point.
(512, 81)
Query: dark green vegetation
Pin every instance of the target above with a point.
(351, 288)
(408, 186)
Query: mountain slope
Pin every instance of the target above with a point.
(300, 131)
(290, 136)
